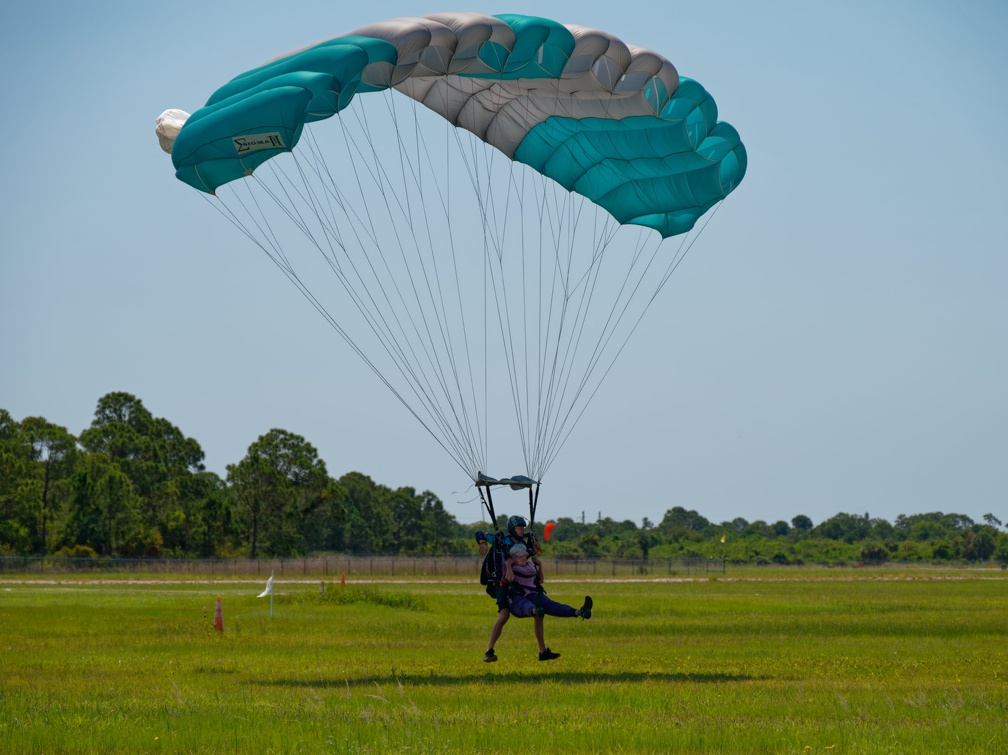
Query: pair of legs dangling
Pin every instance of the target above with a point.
(536, 607)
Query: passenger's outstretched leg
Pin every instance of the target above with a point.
(550, 607)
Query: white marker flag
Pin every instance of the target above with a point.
(269, 587)
(268, 591)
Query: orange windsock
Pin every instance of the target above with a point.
(218, 616)
(548, 530)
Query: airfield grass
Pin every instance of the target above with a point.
(846, 661)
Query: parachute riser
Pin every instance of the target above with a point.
(488, 505)
(530, 534)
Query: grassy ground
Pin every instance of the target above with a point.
(839, 661)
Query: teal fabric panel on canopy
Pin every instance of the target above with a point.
(210, 151)
(636, 167)
(343, 59)
(541, 49)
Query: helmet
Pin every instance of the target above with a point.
(513, 523)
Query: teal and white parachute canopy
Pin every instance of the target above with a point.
(478, 274)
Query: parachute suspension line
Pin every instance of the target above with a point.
(465, 421)
(351, 290)
(432, 279)
(267, 242)
(673, 264)
(331, 227)
(512, 352)
(561, 381)
(503, 298)
(563, 364)
(372, 315)
(589, 278)
(492, 241)
(517, 358)
(474, 430)
(387, 340)
(543, 387)
(533, 360)
(558, 363)
(614, 318)
(570, 312)
(547, 366)
(381, 176)
(564, 339)
(495, 234)
(553, 213)
(611, 323)
(476, 436)
(677, 258)
(564, 221)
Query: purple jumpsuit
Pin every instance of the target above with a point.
(524, 605)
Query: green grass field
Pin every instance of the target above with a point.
(776, 661)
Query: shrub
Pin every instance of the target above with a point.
(77, 551)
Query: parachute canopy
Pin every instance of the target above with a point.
(613, 122)
(500, 268)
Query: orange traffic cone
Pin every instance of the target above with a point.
(342, 579)
(218, 616)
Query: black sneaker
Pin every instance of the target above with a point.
(489, 657)
(585, 611)
(548, 655)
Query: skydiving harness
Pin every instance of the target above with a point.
(492, 569)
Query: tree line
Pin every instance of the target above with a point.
(133, 485)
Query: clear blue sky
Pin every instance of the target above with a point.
(837, 341)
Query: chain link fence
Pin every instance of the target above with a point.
(339, 566)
